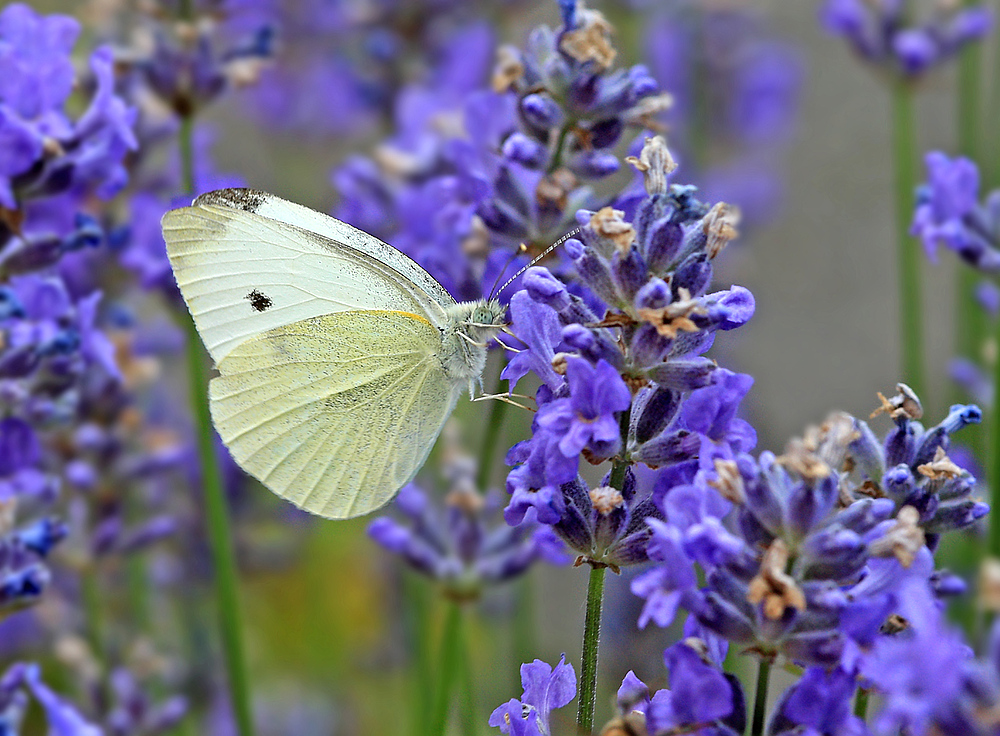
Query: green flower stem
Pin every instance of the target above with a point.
(595, 605)
(904, 153)
(970, 318)
(525, 639)
(591, 642)
(557, 156)
(994, 462)
(90, 592)
(414, 612)
(220, 538)
(760, 698)
(217, 517)
(469, 722)
(861, 703)
(449, 666)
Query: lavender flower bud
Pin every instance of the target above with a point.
(595, 165)
(524, 150)
(605, 133)
(630, 273)
(541, 111)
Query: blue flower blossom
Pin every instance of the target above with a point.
(819, 701)
(545, 689)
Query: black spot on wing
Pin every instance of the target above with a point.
(259, 301)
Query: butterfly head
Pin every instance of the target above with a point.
(485, 320)
(469, 328)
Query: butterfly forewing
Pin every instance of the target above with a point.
(329, 415)
(243, 273)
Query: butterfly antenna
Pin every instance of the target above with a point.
(539, 257)
(520, 249)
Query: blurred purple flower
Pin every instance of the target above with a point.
(456, 546)
(45, 152)
(880, 32)
(949, 213)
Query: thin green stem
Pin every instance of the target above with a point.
(591, 644)
(220, 539)
(990, 145)
(595, 605)
(137, 582)
(90, 592)
(185, 145)
(557, 155)
(216, 513)
(994, 462)
(760, 698)
(970, 318)
(904, 153)
(861, 703)
(449, 663)
(468, 721)
(415, 619)
(525, 637)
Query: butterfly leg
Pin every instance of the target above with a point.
(506, 398)
(505, 346)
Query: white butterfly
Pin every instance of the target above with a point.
(339, 358)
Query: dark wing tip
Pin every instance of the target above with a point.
(248, 200)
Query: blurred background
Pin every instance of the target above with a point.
(770, 113)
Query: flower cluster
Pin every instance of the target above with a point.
(880, 33)
(788, 543)
(472, 172)
(458, 546)
(351, 61)
(702, 697)
(45, 151)
(632, 384)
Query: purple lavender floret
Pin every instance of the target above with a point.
(949, 213)
(911, 466)
(881, 34)
(545, 689)
(22, 680)
(702, 699)
(44, 151)
(820, 702)
(926, 675)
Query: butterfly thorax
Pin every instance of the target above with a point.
(467, 331)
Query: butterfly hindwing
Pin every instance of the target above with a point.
(243, 273)
(331, 415)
